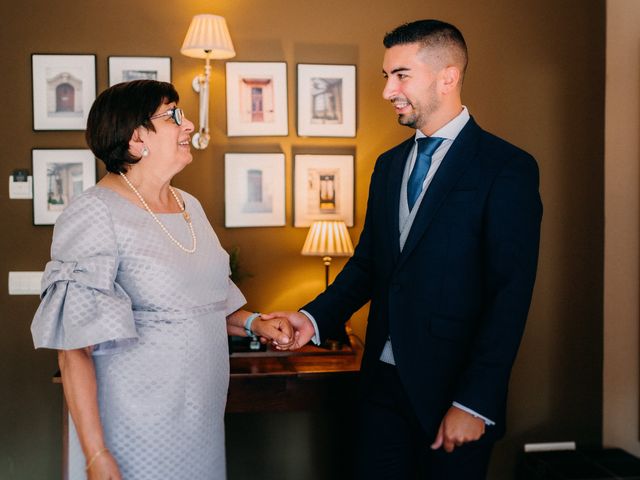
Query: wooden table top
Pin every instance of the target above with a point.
(309, 360)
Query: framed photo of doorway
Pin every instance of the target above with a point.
(323, 189)
(254, 193)
(326, 100)
(257, 99)
(58, 176)
(64, 87)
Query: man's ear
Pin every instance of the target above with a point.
(450, 79)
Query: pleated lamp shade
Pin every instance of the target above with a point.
(328, 238)
(208, 36)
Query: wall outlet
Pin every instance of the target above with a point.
(22, 189)
(25, 283)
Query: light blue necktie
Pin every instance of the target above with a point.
(426, 147)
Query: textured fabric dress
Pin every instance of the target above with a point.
(156, 318)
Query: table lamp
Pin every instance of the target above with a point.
(326, 239)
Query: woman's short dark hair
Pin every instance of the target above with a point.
(117, 112)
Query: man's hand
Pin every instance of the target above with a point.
(276, 329)
(457, 428)
(301, 324)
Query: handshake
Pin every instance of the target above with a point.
(284, 330)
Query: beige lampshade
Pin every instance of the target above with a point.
(208, 35)
(328, 238)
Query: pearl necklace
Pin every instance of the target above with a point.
(185, 214)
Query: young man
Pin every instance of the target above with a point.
(447, 257)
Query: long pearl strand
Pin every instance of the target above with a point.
(185, 214)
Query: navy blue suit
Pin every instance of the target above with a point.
(455, 300)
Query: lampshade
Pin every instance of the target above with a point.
(328, 238)
(208, 36)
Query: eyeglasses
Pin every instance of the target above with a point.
(175, 113)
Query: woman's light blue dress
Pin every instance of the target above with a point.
(156, 318)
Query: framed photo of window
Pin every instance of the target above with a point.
(58, 176)
(125, 69)
(323, 189)
(326, 100)
(64, 87)
(257, 99)
(254, 191)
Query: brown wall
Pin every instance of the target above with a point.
(536, 78)
(621, 282)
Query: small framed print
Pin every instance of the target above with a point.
(64, 87)
(326, 100)
(58, 176)
(257, 99)
(125, 69)
(323, 189)
(254, 190)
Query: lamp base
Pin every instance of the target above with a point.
(336, 344)
(338, 340)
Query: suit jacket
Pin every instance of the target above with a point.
(455, 300)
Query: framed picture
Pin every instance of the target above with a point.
(254, 192)
(125, 69)
(58, 176)
(326, 100)
(64, 87)
(257, 99)
(323, 188)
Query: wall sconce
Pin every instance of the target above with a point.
(326, 239)
(208, 37)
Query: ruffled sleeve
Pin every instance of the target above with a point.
(82, 304)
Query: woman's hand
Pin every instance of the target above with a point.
(302, 327)
(277, 330)
(104, 467)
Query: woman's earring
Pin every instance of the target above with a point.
(145, 151)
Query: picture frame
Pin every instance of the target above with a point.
(126, 69)
(63, 90)
(323, 189)
(254, 190)
(257, 99)
(58, 176)
(326, 100)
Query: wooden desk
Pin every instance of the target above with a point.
(275, 381)
(308, 379)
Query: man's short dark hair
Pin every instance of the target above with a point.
(430, 33)
(117, 112)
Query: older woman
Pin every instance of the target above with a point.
(135, 300)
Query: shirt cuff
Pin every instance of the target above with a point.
(316, 338)
(475, 414)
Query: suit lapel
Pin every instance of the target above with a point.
(454, 164)
(394, 185)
